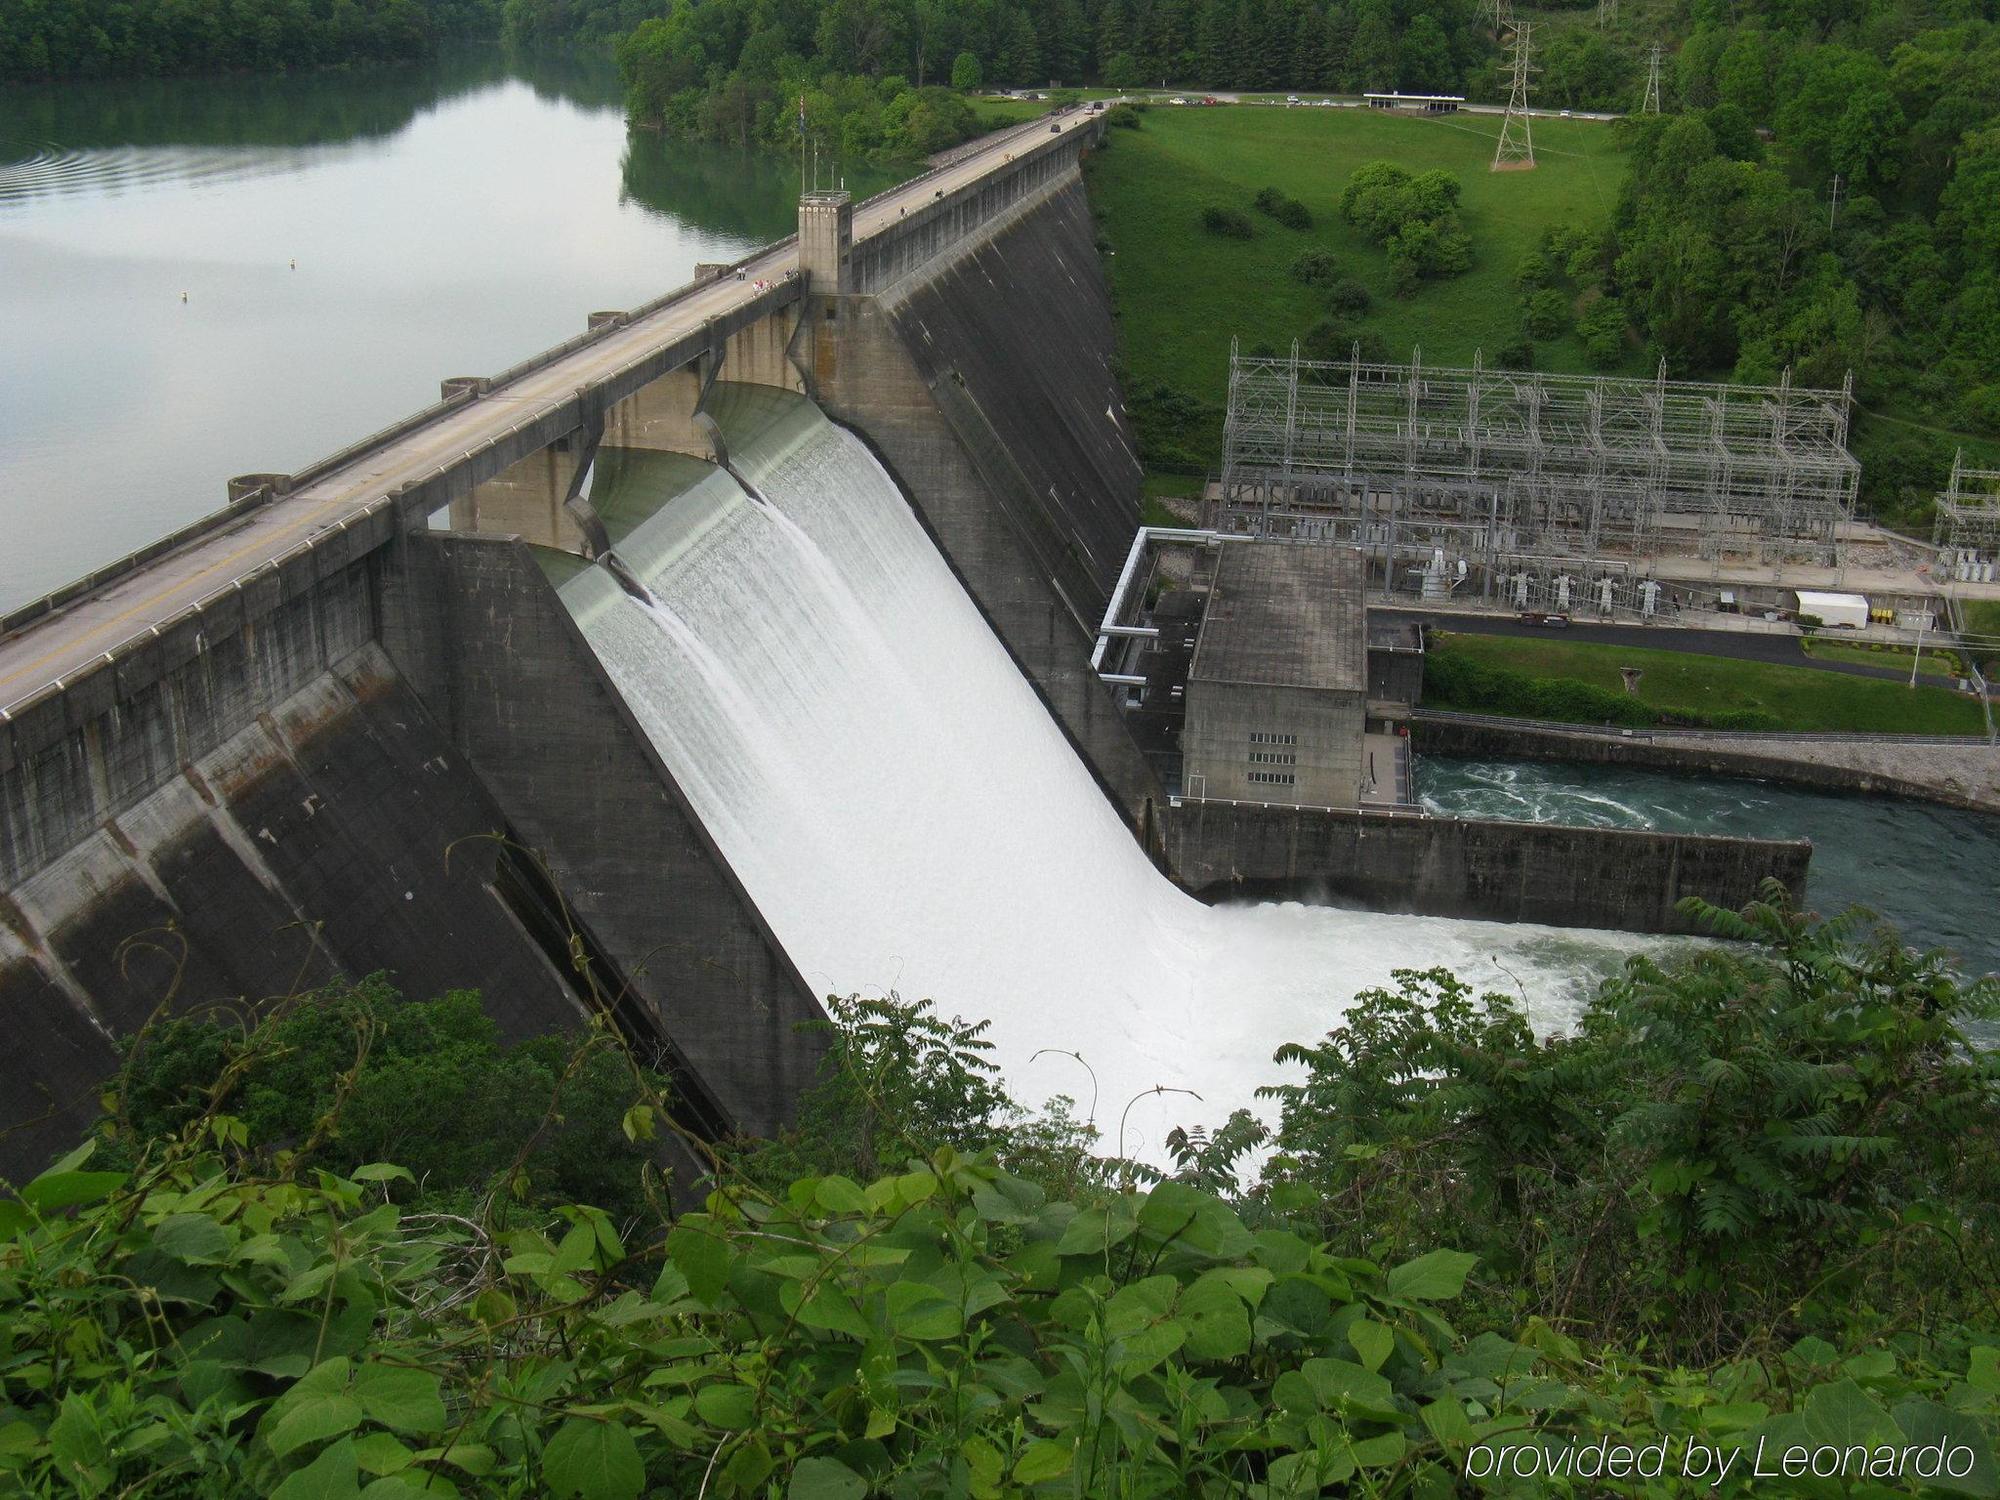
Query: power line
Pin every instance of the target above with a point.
(1515, 151)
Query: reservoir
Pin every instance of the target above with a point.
(344, 240)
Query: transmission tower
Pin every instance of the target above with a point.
(1516, 149)
(1652, 104)
(1607, 13)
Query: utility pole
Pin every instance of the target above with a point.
(1833, 209)
(1515, 151)
(1652, 104)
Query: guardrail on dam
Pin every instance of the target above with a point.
(265, 751)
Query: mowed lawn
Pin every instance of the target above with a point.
(1182, 292)
(1805, 698)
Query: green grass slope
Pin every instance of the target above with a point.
(1802, 698)
(1182, 292)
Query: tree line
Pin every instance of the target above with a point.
(64, 39)
(1863, 235)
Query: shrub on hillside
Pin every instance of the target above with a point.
(1414, 218)
(1602, 329)
(1315, 267)
(1338, 338)
(1288, 211)
(1546, 314)
(1348, 299)
(1231, 223)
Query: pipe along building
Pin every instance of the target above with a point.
(350, 724)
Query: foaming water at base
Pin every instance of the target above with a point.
(909, 818)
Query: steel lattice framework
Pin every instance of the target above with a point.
(1968, 514)
(1497, 464)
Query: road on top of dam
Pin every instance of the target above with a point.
(80, 634)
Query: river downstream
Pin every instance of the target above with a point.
(1930, 870)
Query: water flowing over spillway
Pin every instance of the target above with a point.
(910, 819)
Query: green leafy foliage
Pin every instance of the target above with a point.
(354, 1075)
(1413, 217)
(1230, 223)
(1751, 1200)
(1286, 209)
(1765, 1134)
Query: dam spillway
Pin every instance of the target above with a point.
(909, 818)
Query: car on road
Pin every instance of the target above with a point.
(1545, 617)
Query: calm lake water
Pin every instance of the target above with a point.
(1934, 872)
(444, 219)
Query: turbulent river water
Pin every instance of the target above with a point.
(1934, 872)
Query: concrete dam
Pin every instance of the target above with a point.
(741, 645)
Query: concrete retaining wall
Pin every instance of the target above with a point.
(335, 835)
(1465, 867)
(522, 696)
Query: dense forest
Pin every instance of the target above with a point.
(48, 39)
(1742, 1213)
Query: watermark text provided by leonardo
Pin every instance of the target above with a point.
(1687, 1458)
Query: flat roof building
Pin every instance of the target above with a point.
(1278, 687)
(1431, 104)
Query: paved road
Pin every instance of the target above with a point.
(53, 648)
(1741, 645)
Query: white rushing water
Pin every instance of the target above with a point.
(910, 819)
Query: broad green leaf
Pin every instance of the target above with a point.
(840, 1195)
(827, 1306)
(1447, 1422)
(1096, 1229)
(407, 1400)
(1217, 1322)
(1983, 1369)
(76, 1440)
(1435, 1277)
(703, 1258)
(379, 1453)
(332, 1476)
(1141, 1350)
(193, 1239)
(1842, 1415)
(593, 1460)
(1043, 1460)
(54, 1190)
(1191, 1219)
(917, 1311)
(1345, 1387)
(381, 1171)
(1964, 1442)
(1372, 1341)
(1374, 1452)
(731, 1407)
(314, 1418)
(825, 1479)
